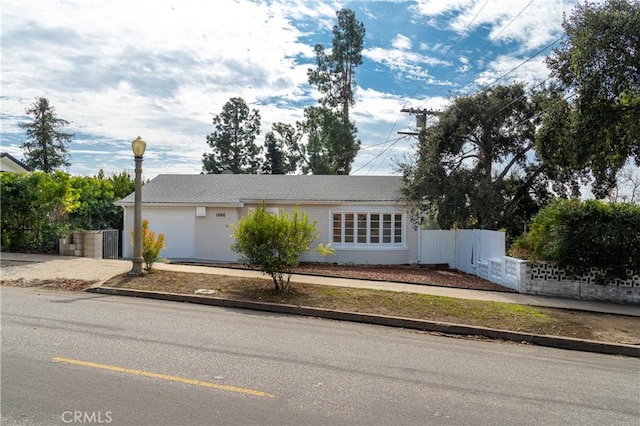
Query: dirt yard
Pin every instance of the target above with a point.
(412, 274)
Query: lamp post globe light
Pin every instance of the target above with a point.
(138, 146)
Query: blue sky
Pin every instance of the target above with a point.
(162, 69)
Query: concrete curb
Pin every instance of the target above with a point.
(414, 324)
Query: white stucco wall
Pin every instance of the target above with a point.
(374, 255)
(7, 165)
(213, 234)
(210, 235)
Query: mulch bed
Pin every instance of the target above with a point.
(412, 274)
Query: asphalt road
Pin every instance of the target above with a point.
(76, 358)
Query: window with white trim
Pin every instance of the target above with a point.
(367, 228)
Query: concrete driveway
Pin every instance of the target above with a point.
(49, 267)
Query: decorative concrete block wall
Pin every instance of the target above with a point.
(548, 279)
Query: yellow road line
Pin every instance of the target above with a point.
(164, 377)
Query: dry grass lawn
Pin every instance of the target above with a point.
(528, 319)
(520, 318)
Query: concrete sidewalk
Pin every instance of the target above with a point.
(42, 267)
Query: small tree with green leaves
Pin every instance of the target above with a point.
(151, 245)
(274, 242)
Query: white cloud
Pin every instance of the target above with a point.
(515, 38)
(408, 64)
(532, 23)
(118, 69)
(401, 42)
(439, 7)
(515, 70)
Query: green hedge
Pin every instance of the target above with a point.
(37, 208)
(585, 234)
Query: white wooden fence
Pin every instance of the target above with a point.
(473, 251)
(460, 248)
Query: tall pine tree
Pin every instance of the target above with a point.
(233, 140)
(46, 145)
(277, 160)
(332, 145)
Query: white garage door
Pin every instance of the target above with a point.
(178, 227)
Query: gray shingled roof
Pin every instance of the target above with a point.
(230, 189)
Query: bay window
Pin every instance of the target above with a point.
(361, 228)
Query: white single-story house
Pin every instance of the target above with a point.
(8, 163)
(362, 217)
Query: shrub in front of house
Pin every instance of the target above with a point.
(585, 234)
(151, 245)
(274, 242)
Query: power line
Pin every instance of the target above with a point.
(381, 143)
(501, 31)
(539, 113)
(531, 57)
(387, 140)
(355, 151)
(455, 42)
(525, 61)
(499, 34)
(440, 60)
(379, 154)
(518, 66)
(522, 63)
(490, 41)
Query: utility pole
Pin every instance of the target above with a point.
(421, 119)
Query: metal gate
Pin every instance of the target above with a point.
(110, 244)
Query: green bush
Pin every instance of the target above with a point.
(541, 241)
(35, 209)
(38, 208)
(585, 234)
(273, 243)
